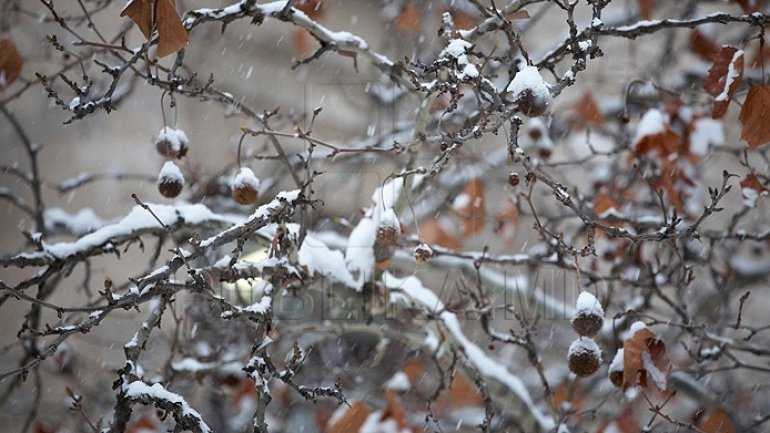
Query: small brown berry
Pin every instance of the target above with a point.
(584, 357)
(615, 371)
(170, 180)
(513, 179)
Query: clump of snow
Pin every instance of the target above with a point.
(635, 327)
(652, 122)
(584, 345)
(245, 178)
(530, 79)
(136, 221)
(174, 141)
(616, 366)
(706, 133)
(653, 372)
(732, 74)
(139, 390)
(80, 223)
(170, 173)
(456, 49)
(588, 304)
(389, 219)
(398, 382)
(320, 259)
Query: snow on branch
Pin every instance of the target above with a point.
(426, 300)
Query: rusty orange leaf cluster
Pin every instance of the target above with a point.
(724, 78)
(172, 35)
(10, 63)
(755, 116)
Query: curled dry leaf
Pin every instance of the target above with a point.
(588, 111)
(724, 78)
(351, 420)
(715, 420)
(755, 116)
(645, 360)
(702, 46)
(172, 35)
(10, 63)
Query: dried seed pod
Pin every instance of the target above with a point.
(589, 315)
(170, 180)
(245, 186)
(615, 371)
(513, 179)
(584, 357)
(422, 253)
(172, 143)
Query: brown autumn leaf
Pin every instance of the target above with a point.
(394, 411)
(469, 205)
(748, 6)
(351, 420)
(664, 143)
(752, 189)
(10, 63)
(570, 395)
(314, 9)
(724, 78)
(702, 45)
(463, 20)
(715, 420)
(605, 207)
(644, 357)
(625, 423)
(645, 8)
(675, 182)
(755, 116)
(172, 35)
(518, 15)
(409, 19)
(143, 424)
(432, 232)
(302, 43)
(588, 110)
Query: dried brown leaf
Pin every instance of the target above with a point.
(588, 110)
(755, 116)
(715, 420)
(724, 78)
(645, 8)
(702, 45)
(352, 420)
(140, 12)
(10, 63)
(172, 36)
(634, 371)
(409, 19)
